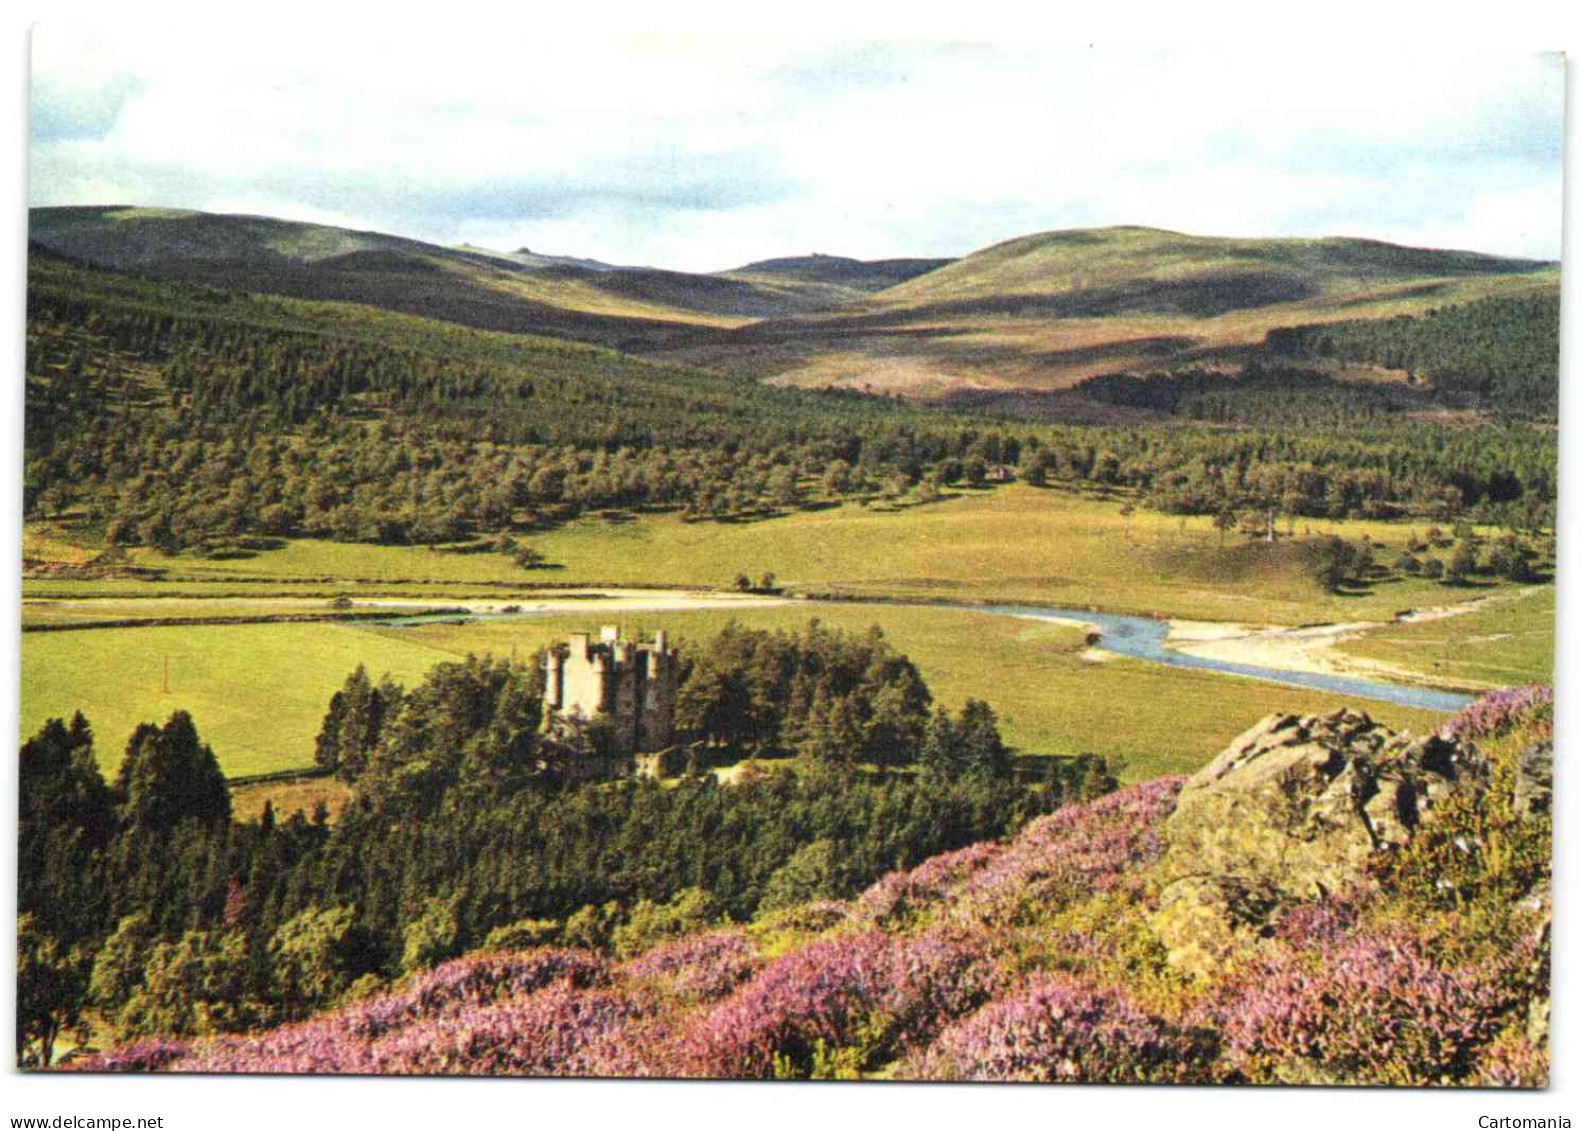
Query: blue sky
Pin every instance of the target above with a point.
(701, 154)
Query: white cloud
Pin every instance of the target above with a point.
(701, 154)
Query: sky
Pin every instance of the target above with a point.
(707, 153)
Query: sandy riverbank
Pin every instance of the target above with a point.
(1311, 648)
(556, 601)
(588, 601)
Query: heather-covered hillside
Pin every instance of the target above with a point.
(1326, 902)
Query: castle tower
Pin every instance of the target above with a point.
(657, 708)
(631, 685)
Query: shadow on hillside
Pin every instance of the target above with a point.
(1206, 295)
(1352, 588)
(1164, 345)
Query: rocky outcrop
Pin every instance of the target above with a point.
(1535, 780)
(1291, 811)
(1538, 975)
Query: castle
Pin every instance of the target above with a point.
(632, 685)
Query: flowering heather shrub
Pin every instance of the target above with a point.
(700, 967)
(822, 992)
(869, 988)
(476, 980)
(939, 872)
(1502, 711)
(1077, 851)
(144, 1056)
(1513, 1062)
(898, 894)
(1323, 923)
(1376, 1008)
(889, 900)
(1061, 1030)
(369, 1036)
(935, 978)
(548, 1033)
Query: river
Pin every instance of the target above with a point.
(1140, 638)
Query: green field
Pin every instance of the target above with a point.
(1017, 542)
(85, 610)
(258, 692)
(1503, 643)
(310, 559)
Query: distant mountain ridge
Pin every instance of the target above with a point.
(868, 275)
(527, 257)
(1039, 313)
(1029, 316)
(128, 237)
(632, 308)
(1048, 262)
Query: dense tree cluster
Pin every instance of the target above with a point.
(1369, 460)
(146, 907)
(1504, 476)
(1336, 563)
(824, 694)
(1256, 395)
(475, 721)
(966, 747)
(1499, 352)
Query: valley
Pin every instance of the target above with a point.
(941, 556)
(243, 478)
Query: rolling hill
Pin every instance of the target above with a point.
(527, 257)
(1039, 313)
(633, 308)
(1018, 323)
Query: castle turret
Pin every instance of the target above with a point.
(631, 685)
(656, 723)
(554, 685)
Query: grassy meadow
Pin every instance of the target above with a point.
(1020, 543)
(1503, 643)
(288, 797)
(257, 692)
